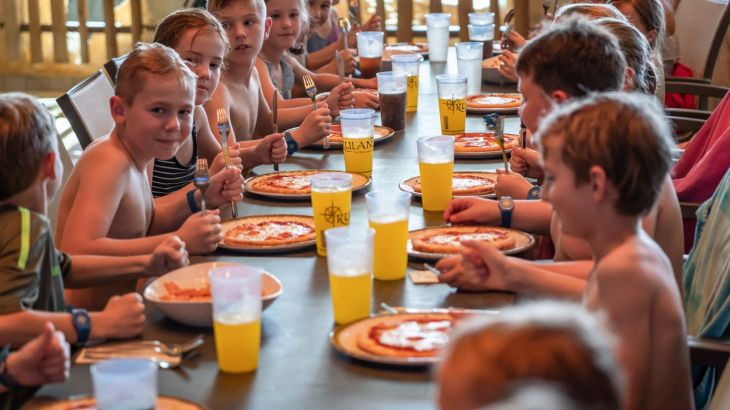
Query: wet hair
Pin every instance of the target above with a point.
(637, 52)
(651, 13)
(150, 59)
(575, 56)
(588, 10)
(27, 134)
(176, 24)
(626, 134)
(217, 5)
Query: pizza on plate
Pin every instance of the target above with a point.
(405, 335)
(269, 230)
(483, 142)
(293, 182)
(336, 136)
(465, 183)
(448, 239)
(494, 100)
(491, 62)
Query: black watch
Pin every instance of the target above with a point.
(506, 206)
(82, 324)
(292, 145)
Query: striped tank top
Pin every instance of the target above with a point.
(169, 175)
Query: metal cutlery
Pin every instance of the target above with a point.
(201, 181)
(223, 128)
(505, 29)
(432, 269)
(495, 122)
(344, 25)
(311, 89)
(390, 309)
(340, 61)
(274, 114)
(172, 349)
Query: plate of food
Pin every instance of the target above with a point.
(483, 145)
(438, 241)
(382, 134)
(401, 48)
(477, 183)
(84, 402)
(268, 233)
(412, 338)
(294, 185)
(504, 103)
(491, 74)
(183, 295)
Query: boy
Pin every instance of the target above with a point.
(239, 91)
(595, 151)
(113, 213)
(569, 60)
(32, 271)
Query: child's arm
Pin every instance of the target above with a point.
(529, 216)
(44, 359)
(326, 82)
(267, 87)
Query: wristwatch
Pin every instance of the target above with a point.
(291, 144)
(82, 324)
(535, 192)
(506, 206)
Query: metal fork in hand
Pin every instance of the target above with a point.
(274, 116)
(311, 89)
(201, 181)
(223, 128)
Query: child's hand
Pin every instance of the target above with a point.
(348, 57)
(271, 149)
(471, 209)
(526, 161)
(516, 40)
(369, 83)
(225, 186)
(219, 162)
(44, 359)
(366, 99)
(374, 23)
(508, 61)
(341, 98)
(316, 125)
(123, 316)
(459, 273)
(512, 184)
(169, 255)
(202, 233)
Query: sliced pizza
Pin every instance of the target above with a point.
(295, 183)
(405, 335)
(494, 100)
(447, 239)
(269, 230)
(482, 142)
(464, 183)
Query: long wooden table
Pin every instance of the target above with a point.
(298, 368)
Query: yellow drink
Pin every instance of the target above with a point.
(389, 256)
(351, 296)
(453, 115)
(359, 155)
(436, 184)
(331, 209)
(412, 94)
(237, 344)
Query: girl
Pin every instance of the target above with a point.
(201, 41)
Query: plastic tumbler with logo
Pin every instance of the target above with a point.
(350, 266)
(452, 103)
(331, 200)
(392, 94)
(410, 64)
(388, 216)
(438, 36)
(358, 139)
(436, 163)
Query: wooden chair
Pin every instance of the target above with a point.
(86, 106)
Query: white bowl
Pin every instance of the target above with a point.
(199, 313)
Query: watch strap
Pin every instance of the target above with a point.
(506, 217)
(191, 201)
(82, 324)
(292, 145)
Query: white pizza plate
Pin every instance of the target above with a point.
(230, 224)
(382, 134)
(524, 241)
(88, 402)
(405, 185)
(199, 313)
(481, 155)
(482, 111)
(295, 197)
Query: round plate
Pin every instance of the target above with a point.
(407, 184)
(382, 134)
(481, 155)
(227, 225)
(482, 111)
(416, 48)
(88, 403)
(524, 241)
(359, 183)
(199, 312)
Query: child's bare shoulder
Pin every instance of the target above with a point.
(104, 154)
(637, 261)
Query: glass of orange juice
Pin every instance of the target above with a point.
(452, 103)
(358, 139)
(331, 200)
(350, 265)
(436, 163)
(388, 216)
(236, 296)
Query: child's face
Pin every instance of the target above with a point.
(535, 102)
(320, 11)
(247, 27)
(160, 117)
(285, 23)
(204, 52)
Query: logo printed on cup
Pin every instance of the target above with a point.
(456, 105)
(358, 145)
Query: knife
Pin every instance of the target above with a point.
(275, 113)
(340, 65)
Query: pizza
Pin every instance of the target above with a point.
(405, 335)
(447, 239)
(269, 230)
(483, 142)
(492, 62)
(464, 183)
(293, 182)
(494, 100)
(335, 138)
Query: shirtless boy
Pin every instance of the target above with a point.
(107, 206)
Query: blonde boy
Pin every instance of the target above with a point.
(606, 158)
(107, 206)
(239, 91)
(32, 270)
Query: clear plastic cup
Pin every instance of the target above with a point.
(438, 35)
(125, 384)
(358, 139)
(388, 215)
(436, 165)
(370, 50)
(469, 63)
(410, 64)
(392, 88)
(481, 19)
(350, 265)
(331, 201)
(452, 103)
(236, 299)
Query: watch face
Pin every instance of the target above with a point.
(506, 202)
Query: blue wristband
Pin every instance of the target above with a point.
(292, 145)
(191, 201)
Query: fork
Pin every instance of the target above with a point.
(172, 349)
(345, 28)
(506, 28)
(275, 123)
(201, 181)
(223, 128)
(311, 89)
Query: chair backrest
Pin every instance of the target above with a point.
(700, 23)
(86, 106)
(721, 398)
(112, 66)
